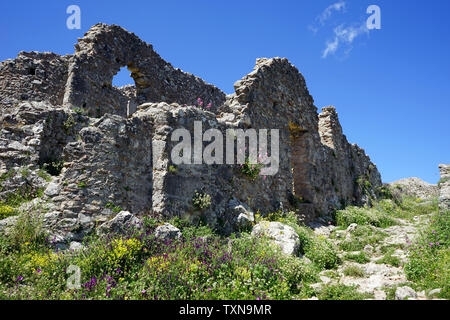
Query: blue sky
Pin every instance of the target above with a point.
(391, 87)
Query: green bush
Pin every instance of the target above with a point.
(322, 253)
(6, 211)
(363, 216)
(298, 273)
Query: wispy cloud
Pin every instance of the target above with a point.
(344, 36)
(326, 14)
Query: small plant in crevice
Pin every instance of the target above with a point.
(80, 111)
(44, 175)
(113, 207)
(69, 123)
(53, 167)
(251, 170)
(82, 185)
(173, 169)
(201, 201)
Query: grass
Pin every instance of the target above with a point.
(362, 236)
(360, 257)
(364, 216)
(44, 175)
(389, 259)
(204, 265)
(342, 292)
(354, 271)
(429, 256)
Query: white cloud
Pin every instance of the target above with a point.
(326, 14)
(331, 47)
(344, 35)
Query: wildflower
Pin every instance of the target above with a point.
(434, 231)
(144, 291)
(431, 244)
(437, 243)
(19, 278)
(199, 102)
(209, 106)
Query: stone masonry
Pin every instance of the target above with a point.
(115, 143)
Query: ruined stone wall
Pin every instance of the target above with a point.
(116, 142)
(32, 76)
(101, 53)
(352, 177)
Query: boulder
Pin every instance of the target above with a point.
(240, 215)
(280, 234)
(352, 227)
(405, 292)
(122, 222)
(7, 223)
(167, 232)
(76, 246)
(434, 292)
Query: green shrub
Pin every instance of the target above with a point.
(82, 185)
(298, 273)
(44, 175)
(6, 211)
(322, 253)
(53, 167)
(363, 216)
(113, 207)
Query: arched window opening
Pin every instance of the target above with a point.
(123, 78)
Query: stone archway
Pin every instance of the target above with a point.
(100, 55)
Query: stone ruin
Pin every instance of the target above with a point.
(63, 113)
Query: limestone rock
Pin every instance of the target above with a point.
(444, 186)
(167, 232)
(405, 292)
(282, 235)
(415, 187)
(76, 246)
(240, 214)
(434, 292)
(352, 227)
(122, 222)
(7, 223)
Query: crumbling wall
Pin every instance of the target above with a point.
(101, 53)
(352, 177)
(116, 142)
(32, 76)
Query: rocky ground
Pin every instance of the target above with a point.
(381, 272)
